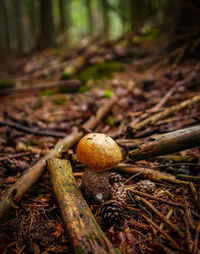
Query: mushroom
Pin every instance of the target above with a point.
(100, 153)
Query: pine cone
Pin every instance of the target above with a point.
(112, 213)
(118, 193)
(115, 178)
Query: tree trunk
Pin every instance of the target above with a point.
(19, 25)
(106, 21)
(88, 4)
(189, 14)
(64, 19)
(136, 9)
(47, 23)
(4, 16)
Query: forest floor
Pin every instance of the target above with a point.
(35, 225)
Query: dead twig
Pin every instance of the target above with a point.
(188, 235)
(151, 174)
(173, 243)
(194, 195)
(161, 216)
(154, 198)
(26, 129)
(69, 85)
(196, 239)
(12, 156)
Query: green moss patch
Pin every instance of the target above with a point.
(99, 71)
(5, 83)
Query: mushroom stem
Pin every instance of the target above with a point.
(95, 185)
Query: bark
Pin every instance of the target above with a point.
(16, 192)
(79, 223)
(167, 143)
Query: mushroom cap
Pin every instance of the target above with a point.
(98, 151)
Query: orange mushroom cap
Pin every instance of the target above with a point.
(98, 151)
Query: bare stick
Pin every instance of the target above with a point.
(195, 195)
(79, 223)
(167, 217)
(26, 129)
(154, 198)
(167, 143)
(166, 112)
(16, 192)
(69, 85)
(196, 239)
(187, 232)
(147, 173)
(173, 243)
(153, 209)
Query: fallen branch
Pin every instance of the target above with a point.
(165, 113)
(151, 174)
(167, 143)
(79, 223)
(16, 192)
(26, 129)
(68, 85)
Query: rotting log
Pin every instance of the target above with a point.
(167, 143)
(17, 190)
(79, 223)
(165, 113)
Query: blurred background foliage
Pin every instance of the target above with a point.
(30, 25)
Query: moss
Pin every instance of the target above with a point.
(148, 34)
(5, 83)
(84, 89)
(108, 94)
(59, 101)
(111, 120)
(48, 92)
(99, 71)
